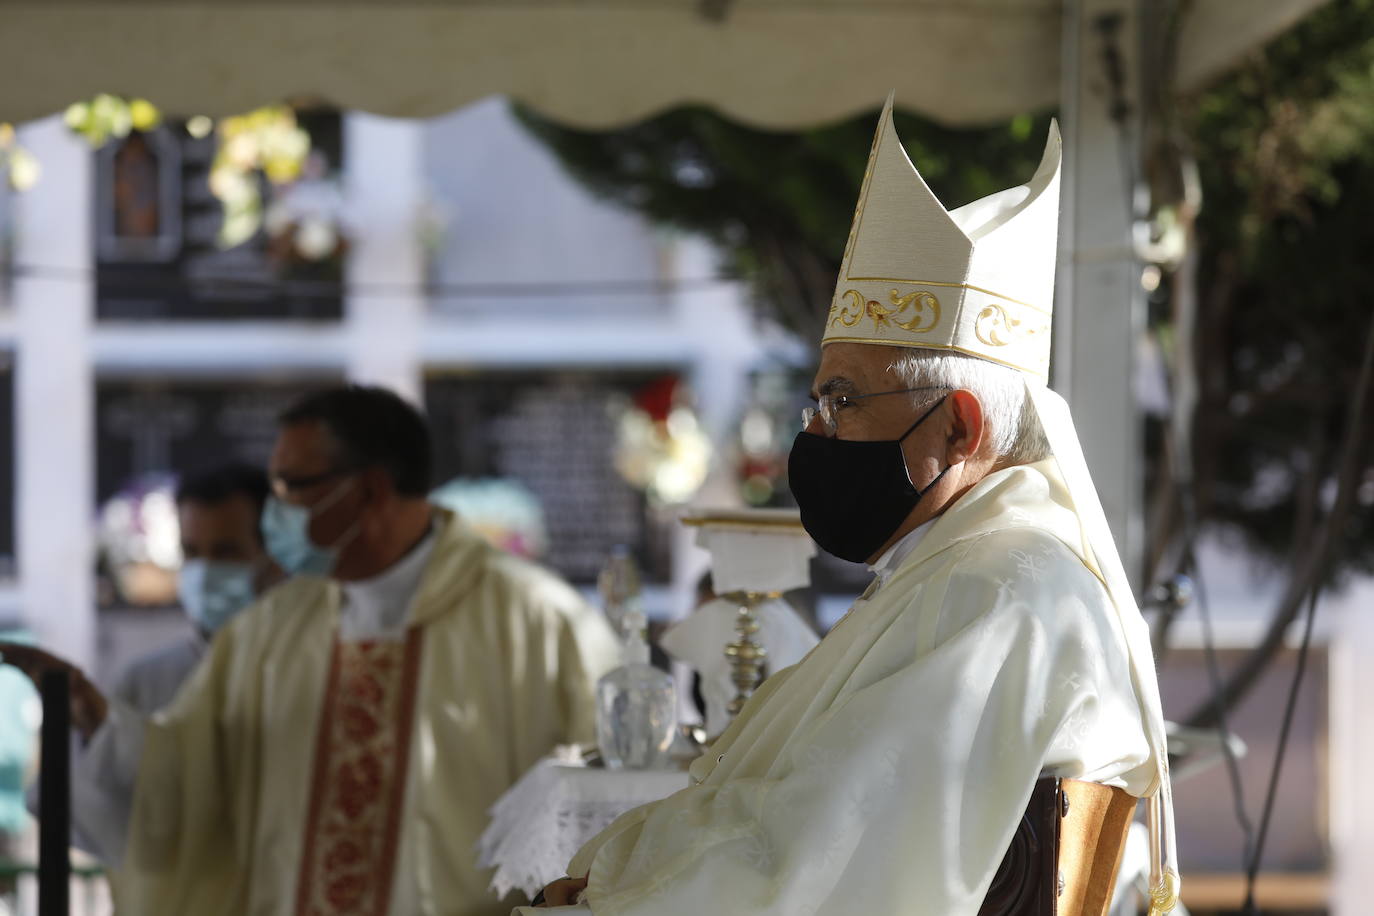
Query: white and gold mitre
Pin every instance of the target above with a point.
(979, 279)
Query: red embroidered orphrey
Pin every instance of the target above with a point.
(361, 755)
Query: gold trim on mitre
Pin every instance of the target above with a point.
(987, 268)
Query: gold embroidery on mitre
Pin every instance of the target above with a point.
(968, 286)
(996, 327)
(847, 312)
(916, 312)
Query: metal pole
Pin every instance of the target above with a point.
(1070, 66)
(55, 797)
(1099, 303)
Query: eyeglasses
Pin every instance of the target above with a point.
(828, 404)
(282, 486)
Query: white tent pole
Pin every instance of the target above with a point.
(1061, 366)
(1099, 306)
(1351, 796)
(54, 409)
(384, 180)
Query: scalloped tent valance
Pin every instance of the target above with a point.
(594, 63)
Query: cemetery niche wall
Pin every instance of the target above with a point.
(159, 254)
(553, 432)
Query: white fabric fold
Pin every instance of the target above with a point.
(1099, 552)
(757, 560)
(892, 558)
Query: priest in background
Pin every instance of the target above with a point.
(338, 748)
(998, 642)
(224, 567)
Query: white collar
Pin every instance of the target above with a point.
(379, 608)
(892, 558)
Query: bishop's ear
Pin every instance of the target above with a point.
(966, 426)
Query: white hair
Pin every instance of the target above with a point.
(1010, 422)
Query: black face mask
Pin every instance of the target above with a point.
(853, 495)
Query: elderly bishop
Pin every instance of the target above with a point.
(998, 646)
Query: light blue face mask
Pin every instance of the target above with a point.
(286, 534)
(211, 591)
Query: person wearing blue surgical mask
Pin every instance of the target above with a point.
(225, 565)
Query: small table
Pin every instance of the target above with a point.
(556, 807)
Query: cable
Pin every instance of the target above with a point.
(1252, 869)
(1187, 496)
(334, 289)
(1209, 651)
(1348, 465)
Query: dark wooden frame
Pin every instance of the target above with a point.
(1065, 854)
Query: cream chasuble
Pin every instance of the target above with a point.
(886, 772)
(300, 774)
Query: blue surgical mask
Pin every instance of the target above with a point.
(211, 592)
(286, 534)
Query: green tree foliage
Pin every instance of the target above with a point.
(1281, 452)
(1285, 149)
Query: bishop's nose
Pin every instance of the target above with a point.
(815, 425)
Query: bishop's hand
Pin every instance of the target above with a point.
(89, 706)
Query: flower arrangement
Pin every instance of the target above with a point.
(108, 117)
(307, 220)
(503, 511)
(265, 142)
(18, 165)
(139, 540)
(304, 221)
(660, 446)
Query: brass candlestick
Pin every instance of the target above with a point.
(747, 656)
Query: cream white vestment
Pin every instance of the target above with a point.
(288, 737)
(886, 772)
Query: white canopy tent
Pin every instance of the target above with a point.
(596, 63)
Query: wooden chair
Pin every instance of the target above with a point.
(1064, 856)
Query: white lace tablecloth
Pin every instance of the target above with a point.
(555, 808)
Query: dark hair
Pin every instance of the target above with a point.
(224, 482)
(373, 427)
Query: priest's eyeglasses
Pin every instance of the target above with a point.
(283, 486)
(827, 405)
